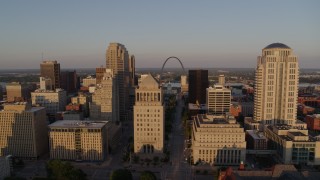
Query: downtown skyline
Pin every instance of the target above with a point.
(203, 35)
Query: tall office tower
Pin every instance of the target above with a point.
(117, 59)
(51, 69)
(149, 117)
(132, 70)
(218, 100)
(78, 140)
(222, 80)
(45, 83)
(104, 103)
(1, 93)
(17, 92)
(276, 85)
(53, 101)
(23, 131)
(68, 81)
(198, 83)
(99, 74)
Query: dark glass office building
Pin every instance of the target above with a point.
(198, 83)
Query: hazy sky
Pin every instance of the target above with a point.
(204, 33)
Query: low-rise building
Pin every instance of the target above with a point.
(293, 145)
(23, 131)
(78, 140)
(52, 100)
(235, 109)
(83, 99)
(5, 166)
(72, 115)
(313, 122)
(256, 140)
(89, 81)
(218, 140)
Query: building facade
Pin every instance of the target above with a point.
(23, 131)
(293, 145)
(18, 92)
(45, 83)
(84, 99)
(89, 81)
(51, 69)
(99, 74)
(218, 100)
(69, 81)
(276, 85)
(1, 93)
(104, 103)
(149, 117)
(313, 122)
(198, 83)
(5, 166)
(53, 101)
(256, 140)
(217, 140)
(78, 140)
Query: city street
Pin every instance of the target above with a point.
(179, 169)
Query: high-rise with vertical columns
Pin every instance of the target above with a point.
(148, 117)
(117, 59)
(276, 85)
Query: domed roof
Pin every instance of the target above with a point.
(277, 45)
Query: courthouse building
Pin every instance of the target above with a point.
(217, 140)
(148, 117)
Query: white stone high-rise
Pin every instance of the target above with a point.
(276, 85)
(218, 99)
(149, 117)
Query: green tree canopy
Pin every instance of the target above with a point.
(147, 175)
(121, 174)
(58, 169)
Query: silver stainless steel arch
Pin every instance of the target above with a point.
(172, 57)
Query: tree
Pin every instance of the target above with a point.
(121, 174)
(147, 175)
(58, 169)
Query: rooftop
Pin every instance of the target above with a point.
(277, 45)
(78, 124)
(256, 134)
(48, 91)
(297, 133)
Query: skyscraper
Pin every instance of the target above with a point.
(149, 117)
(51, 69)
(198, 83)
(117, 59)
(276, 85)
